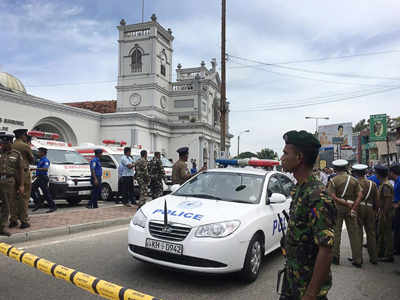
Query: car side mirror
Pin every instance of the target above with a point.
(174, 188)
(277, 198)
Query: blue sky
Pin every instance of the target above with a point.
(53, 45)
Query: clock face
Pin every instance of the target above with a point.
(135, 99)
(163, 102)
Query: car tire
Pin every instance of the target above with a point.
(106, 192)
(253, 260)
(73, 201)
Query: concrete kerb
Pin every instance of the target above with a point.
(63, 230)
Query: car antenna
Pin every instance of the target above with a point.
(165, 214)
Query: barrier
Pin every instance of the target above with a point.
(84, 281)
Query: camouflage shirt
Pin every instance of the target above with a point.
(156, 170)
(311, 224)
(142, 173)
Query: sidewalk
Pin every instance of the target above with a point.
(71, 221)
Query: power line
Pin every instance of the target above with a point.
(313, 79)
(315, 72)
(294, 105)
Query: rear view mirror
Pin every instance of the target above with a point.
(174, 188)
(277, 198)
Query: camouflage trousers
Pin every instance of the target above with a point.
(7, 195)
(353, 230)
(291, 291)
(366, 216)
(143, 190)
(156, 188)
(19, 208)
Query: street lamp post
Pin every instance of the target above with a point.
(244, 131)
(316, 122)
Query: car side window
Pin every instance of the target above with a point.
(286, 184)
(274, 186)
(107, 162)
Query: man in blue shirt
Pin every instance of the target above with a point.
(42, 182)
(96, 172)
(394, 174)
(127, 173)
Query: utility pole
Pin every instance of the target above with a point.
(223, 78)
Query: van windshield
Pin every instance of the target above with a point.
(166, 163)
(66, 157)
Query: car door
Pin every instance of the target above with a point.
(275, 186)
(110, 172)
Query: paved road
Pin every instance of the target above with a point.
(103, 253)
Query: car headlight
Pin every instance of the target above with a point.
(139, 219)
(217, 230)
(58, 179)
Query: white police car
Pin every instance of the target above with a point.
(222, 220)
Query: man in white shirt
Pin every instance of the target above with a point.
(127, 172)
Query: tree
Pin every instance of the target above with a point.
(361, 125)
(267, 153)
(247, 154)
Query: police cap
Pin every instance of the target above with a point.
(301, 138)
(98, 151)
(43, 149)
(6, 138)
(380, 167)
(395, 169)
(20, 132)
(340, 163)
(359, 167)
(183, 150)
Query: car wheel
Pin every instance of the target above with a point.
(106, 192)
(253, 260)
(73, 201)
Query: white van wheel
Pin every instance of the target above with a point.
(106, 192)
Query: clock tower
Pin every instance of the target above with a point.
(145, 67)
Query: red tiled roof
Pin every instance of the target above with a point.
(106, 106)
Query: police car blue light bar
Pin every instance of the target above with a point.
(248, 162)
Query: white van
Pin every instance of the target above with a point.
(69, 172)
(110, 161)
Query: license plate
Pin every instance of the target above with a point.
(83, 192)
(164, 246)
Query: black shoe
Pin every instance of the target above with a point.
(51, 210)
(5, 232)
(24, 225)
(356, 265)
(350, 259)
(13, 224)
(396, 253)
(335, 261)
(373, 262)
(37, 207)
(365, 245)
(127, 205)
(388, 259)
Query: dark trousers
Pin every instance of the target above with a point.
(96, 191)
(396, 230)
(42, 182)
(127, 189)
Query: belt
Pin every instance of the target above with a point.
(367, 204)
(350, 201)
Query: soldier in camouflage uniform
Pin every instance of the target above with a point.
(11, 172)
(157, 174)
(142, 177)
(19, 209)
(310, 233)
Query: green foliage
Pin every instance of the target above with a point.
(244, 155)
(267, 153)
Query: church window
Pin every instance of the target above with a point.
(136, 61)
(163, 63)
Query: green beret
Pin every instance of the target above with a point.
(301, 138)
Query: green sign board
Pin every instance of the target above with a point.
(377, 127)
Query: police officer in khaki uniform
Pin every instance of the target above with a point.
(19, 208)
(11, 172)
(180, 171)
(367, 209)
(386, 194)
(346, 192)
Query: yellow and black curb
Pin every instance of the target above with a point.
(84, 281)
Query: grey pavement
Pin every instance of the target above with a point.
(103, 253)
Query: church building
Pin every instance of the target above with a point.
(151, 109)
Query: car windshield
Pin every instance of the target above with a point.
(231, 187)
(66, 157)
(166, 163)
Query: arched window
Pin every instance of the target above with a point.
(136, 61)
(163, 63)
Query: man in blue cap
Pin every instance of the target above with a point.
(42, 182)
(11, 178)
(97, 173)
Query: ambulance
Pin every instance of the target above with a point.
(69, 172)
(110, 161)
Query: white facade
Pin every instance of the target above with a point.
(152, 111)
